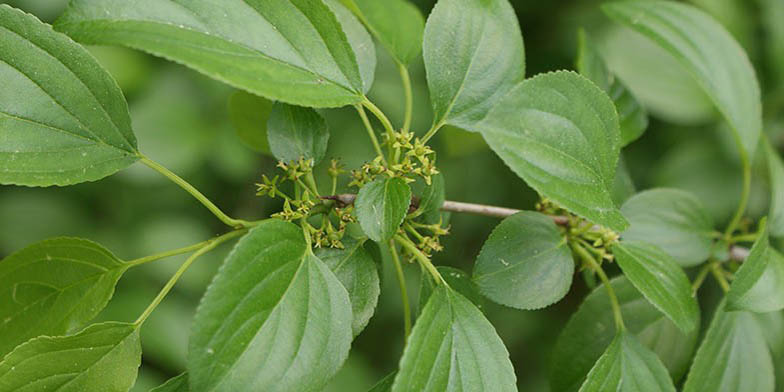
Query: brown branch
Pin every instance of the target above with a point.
(737, 253)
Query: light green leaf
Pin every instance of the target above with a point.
(559, 132)
(454, 348)
(711, 55)
(101, 358)
(295, 132)
(776, 178)
(63, 120)
(525, 263)
(54, 287)
(357, 271)
(457, 280)
(672, 219)
(759, 283)
(623, 186)
(249, 114)
(632, 116)
(772, 326)
(474, 55)
(176, 384)
(385, 385)
(733, 356)
(381, 207)
(360, 40)
(275, 318)
(397, 24)
(295, 51)
(660, 280)
(591, 329)
(628, 366)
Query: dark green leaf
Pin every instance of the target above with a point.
(295, 51)
(102, 358)
(454, 348)
(381, 207)
(628, 366)
(776, 173)
(591, 329)
(54, 287)
(732, 357)
(249, 115)
(525, 262)
(672, 219)
(660, 280)
(709, 52)
(63, 120)
(473, 54)
(759, 283)
(274, 318)
(632, 116)
(457, 280)
(431, 198)
(176, 384)
(357, 271)
(385, 385)
(559, 132)
(295, 132)
(397, 24)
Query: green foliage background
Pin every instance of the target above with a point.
(181, 120)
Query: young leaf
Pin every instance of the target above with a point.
(249, 115)
(101, 358)
(709, 52)
(474, 54)
(296, 132)
(295, 51)
(627, 365)
(759, 283)
(274, 318)
(176, 384)
(672, 219)
(732, 357)
(632, 116)
(559, 132)
(54, 287)
(357, 271)
(63, 120)
(457, 280)
(525, 263)
(454, 348)
(385, 385)
(776, 175)
(397, 24)
(381, 207)
(660, 280)
(591, 329)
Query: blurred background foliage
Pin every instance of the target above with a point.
(182, 120)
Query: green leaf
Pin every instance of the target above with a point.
(381, 207)
(176, 384)
(54, 287)
(295, 51)
(360, 40)
(627, 365)
(474, 55)
(274, 318)
(357, 271)
(711, 55)
(776, 178)
(772, 326)
(101, 358)
(559, 132)
(733, 356)
(454, 348)
(457, 280)
(660, 280)
(63, 120)
(397, 24)
(591, 329)
(249, 115)
(632, 116)
(525, 263)
(623, 186)
(295, 132)
(759, 283)
(431, 198)
(672, 219)
(385, 385)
